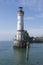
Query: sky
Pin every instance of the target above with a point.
(33, 17)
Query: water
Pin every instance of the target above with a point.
(10, 56)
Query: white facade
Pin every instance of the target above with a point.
(20, 25)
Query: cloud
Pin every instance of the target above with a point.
(36, 32)
(29, 18)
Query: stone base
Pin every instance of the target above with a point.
(19, 44)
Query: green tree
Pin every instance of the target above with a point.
(26, 35)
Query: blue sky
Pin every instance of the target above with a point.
(33, 17)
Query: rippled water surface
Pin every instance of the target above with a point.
(11, 56)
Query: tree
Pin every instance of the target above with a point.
(26, 35)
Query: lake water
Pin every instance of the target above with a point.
(11, 56)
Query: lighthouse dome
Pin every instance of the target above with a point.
(20, 11)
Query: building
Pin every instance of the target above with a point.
(19, 39)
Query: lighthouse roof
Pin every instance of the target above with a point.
(20, 11)
(20, 7)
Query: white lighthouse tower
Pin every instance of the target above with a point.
(20, 24)
(20, 29)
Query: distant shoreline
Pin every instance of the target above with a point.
(29, 42)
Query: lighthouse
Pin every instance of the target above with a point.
(19, 40)
(20, 24)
